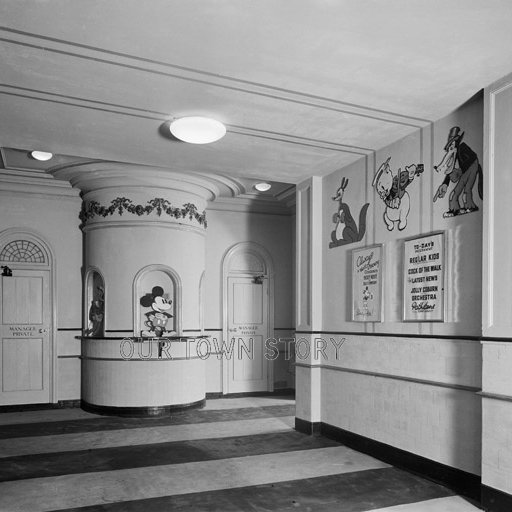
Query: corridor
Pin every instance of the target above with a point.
(237, 454)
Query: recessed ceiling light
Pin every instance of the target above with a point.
(197, 130)
(43, 156)
(263, 186)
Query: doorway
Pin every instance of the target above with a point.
(248, 319)
(26, 326)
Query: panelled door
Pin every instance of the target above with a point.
(248, 324)
(25, 337)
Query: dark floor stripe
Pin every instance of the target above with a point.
(350, 492)
(116, 423)
(138, 456)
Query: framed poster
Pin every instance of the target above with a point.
(424, 264)
(367, 284)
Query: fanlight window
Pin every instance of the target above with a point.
(22, 251)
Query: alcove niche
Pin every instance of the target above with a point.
(94, 304)
(157, 302)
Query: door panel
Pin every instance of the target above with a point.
(248, 330)
(24, 338)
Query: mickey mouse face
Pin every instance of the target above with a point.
(161, 304)
(156, 300)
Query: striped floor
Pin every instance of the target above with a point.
(239, 454)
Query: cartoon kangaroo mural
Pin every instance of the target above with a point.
(346, 230)
(391, 189)
(459, 165)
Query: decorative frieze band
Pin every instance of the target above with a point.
(158, 205)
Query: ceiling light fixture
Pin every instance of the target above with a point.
(197, 130)
(42, 156)
(263, 186)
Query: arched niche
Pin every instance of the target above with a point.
(157, 302)
(94, 301)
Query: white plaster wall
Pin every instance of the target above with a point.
(426, 402)
(274, 233)
(55, 219)
(496, 297)
(120, 252)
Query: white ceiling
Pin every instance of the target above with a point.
(304, 86)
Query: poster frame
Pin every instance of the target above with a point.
(356, 283)
(440, 237)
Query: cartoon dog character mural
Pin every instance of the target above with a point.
(346, 230)
(459, 165)
(391, 189)
(159, 316)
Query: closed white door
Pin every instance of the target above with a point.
(248, 324)
(25, 337)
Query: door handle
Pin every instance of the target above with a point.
(44, 331)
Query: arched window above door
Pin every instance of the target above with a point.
(23, 251)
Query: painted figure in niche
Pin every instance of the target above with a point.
(391, 188)
(346, 230)
(97, 314)
(159, 315)
(459, 165)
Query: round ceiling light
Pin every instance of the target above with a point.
(263, 186)
(42, 156)
(197, 130)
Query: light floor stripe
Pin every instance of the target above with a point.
(75, 413)
(150, 435)
(451, 504)
(43, 494)
(240, 403)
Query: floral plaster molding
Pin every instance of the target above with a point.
(158, 205)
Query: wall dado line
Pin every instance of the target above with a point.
(413, 400)
(398, 377)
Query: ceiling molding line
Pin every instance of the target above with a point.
(273, 92)
(240, 130)
(290, 140)
(90, 107)
(297, 138)
(158, 115)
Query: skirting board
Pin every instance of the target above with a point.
(466, 484)
(140, 412)
(494, 500)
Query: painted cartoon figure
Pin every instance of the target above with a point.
(159, 316)
(367, 295)
(97, 314)
(391, 189)
(346, 230)
(459, 165)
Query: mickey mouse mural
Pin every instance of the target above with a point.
(159, 315)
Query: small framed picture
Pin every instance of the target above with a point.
(423, 278)
(367, 272)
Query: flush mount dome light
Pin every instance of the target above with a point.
(42, 156)
(263, 187)
(197, 130)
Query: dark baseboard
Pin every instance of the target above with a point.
(494, 500)
(140, 412)
(278, 392)
(462, 482)
(307, 427)
(61, 404)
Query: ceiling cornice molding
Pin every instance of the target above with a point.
(38, 185)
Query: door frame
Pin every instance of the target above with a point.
(258, 251)
(12, 234)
